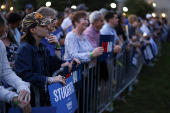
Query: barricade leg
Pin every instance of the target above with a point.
(95, 90)
(98, 92)
(0, 107)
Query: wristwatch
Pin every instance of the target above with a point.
(51, 80)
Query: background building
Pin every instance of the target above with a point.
(161, 7)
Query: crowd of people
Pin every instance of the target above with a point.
(33, 45)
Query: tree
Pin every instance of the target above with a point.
(20, 4)
(59, 5)
(138, 7)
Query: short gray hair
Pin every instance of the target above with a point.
(94, 16)
(47, 11)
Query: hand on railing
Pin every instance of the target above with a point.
(138, 51)
(70, 64)
(55, 79)
(25, 107)
(128, 46)
(117, 49)
(67, 64)
(136, 44)
(75, 61)
(24, 96)
(147, 42)
(97, 52)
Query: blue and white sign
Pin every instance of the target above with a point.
(148, 53)
(107, 42)
(76, 74)
(64, 98)
(154, 46)
(69, 29)
(35, 110)
(134, 59)
(58, 31)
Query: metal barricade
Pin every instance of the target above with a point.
(106, 87)
(4, 104)
(37, 95)
(96, 95)
(125, 75)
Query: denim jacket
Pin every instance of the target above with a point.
(34, 64)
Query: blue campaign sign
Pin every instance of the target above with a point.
(134, 59)
(123, 49)
(154, 46)
(57, 31)
(107, 42)
(69, 29)
(35, 110)
(76, 74)
(148, 53)
(64, 98)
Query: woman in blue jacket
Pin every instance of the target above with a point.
(33, 61)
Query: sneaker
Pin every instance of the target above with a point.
(135, 82)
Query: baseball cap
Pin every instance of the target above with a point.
(148, 15)
(103, 10)
(34, 19)
(28, 6)
(82, 7)
(66, 9)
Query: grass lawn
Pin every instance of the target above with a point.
(152, 94)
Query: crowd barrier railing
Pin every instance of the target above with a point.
(96, 95)
(4, 104)
(37, 100)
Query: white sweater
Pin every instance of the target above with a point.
(10, 77)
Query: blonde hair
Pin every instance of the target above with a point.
(132, 18)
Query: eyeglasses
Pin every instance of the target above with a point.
(54, 20)
(3, 35)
